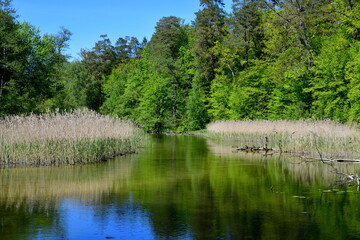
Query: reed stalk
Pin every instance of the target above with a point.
(77, 137)
(302, 136)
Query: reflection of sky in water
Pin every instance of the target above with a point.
(87, 221)
(180, 191)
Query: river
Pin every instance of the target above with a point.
(180, 187)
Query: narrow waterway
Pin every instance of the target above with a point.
(180, 187)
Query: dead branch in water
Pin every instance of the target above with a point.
(346, 178)
(330, 160)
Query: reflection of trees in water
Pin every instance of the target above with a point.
(306, 172)
(18, 221)
(188, 187)
(30, 197)
(212, 197)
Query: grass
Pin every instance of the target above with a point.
(77, 137)
(302, 136)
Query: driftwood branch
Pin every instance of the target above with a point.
(346, 178)
(330, 160)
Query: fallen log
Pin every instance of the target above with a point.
(254, 149)
(331, 160)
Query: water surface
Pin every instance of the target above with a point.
(180, 187)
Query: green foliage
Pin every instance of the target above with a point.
(347, 13)
(352, 76)
(264, 60)
(154, 107)
(250, 97)
(76, 86)
(290, 75)
(329, 86)
(30, 81)
(209, 29)
(169, 36)
(219, 100)
(246, 28)
(102, 59)
(123, 89)
(196, 112)
(289, 100)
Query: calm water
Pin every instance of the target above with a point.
(180, 187)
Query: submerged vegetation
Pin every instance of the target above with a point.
(325, 137)
(77, 137)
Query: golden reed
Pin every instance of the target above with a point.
(77, 137)
(300, 136)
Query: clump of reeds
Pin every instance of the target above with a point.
(77, 137)
(301, 136)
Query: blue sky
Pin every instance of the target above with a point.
(88, 19)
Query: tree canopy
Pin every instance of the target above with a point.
(263, 60)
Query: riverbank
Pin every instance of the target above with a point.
(77, 137)
(305, 137)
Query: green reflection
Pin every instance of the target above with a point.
(190, 186)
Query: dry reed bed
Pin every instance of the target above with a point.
(77, 137)
(302, 136)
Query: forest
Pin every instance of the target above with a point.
(266, 59)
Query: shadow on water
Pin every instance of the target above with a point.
(179, 187)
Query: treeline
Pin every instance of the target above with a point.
(287, 59)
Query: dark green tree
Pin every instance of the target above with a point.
(329, 86)
(210, 28)
(99, 62)
(162, 105)
(123, 89)
(8, 41)
(246, 28)
(196, 112)
(30, 83)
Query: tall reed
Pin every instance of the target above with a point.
(325, 136)
(77, 137)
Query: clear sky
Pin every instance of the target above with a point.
(88, 19)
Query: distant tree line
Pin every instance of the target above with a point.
(286, 59)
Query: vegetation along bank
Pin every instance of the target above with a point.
(77, 137)
(325, 139)
(261, 60)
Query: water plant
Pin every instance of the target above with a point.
(331, 138)
(76, 137)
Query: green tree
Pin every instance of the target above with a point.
(99, 62)
(209, 28)
(196, 111)
(290, 78)
(230, 64)
(8, 40)
(123, 89)
(169, 36)
(162, 105)
(31, 82)
(297, 21)
(250, 97)
(347, 17)
(352, 76)
(76, 91)
(246, 28)
(154, 108)
(329, 86)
